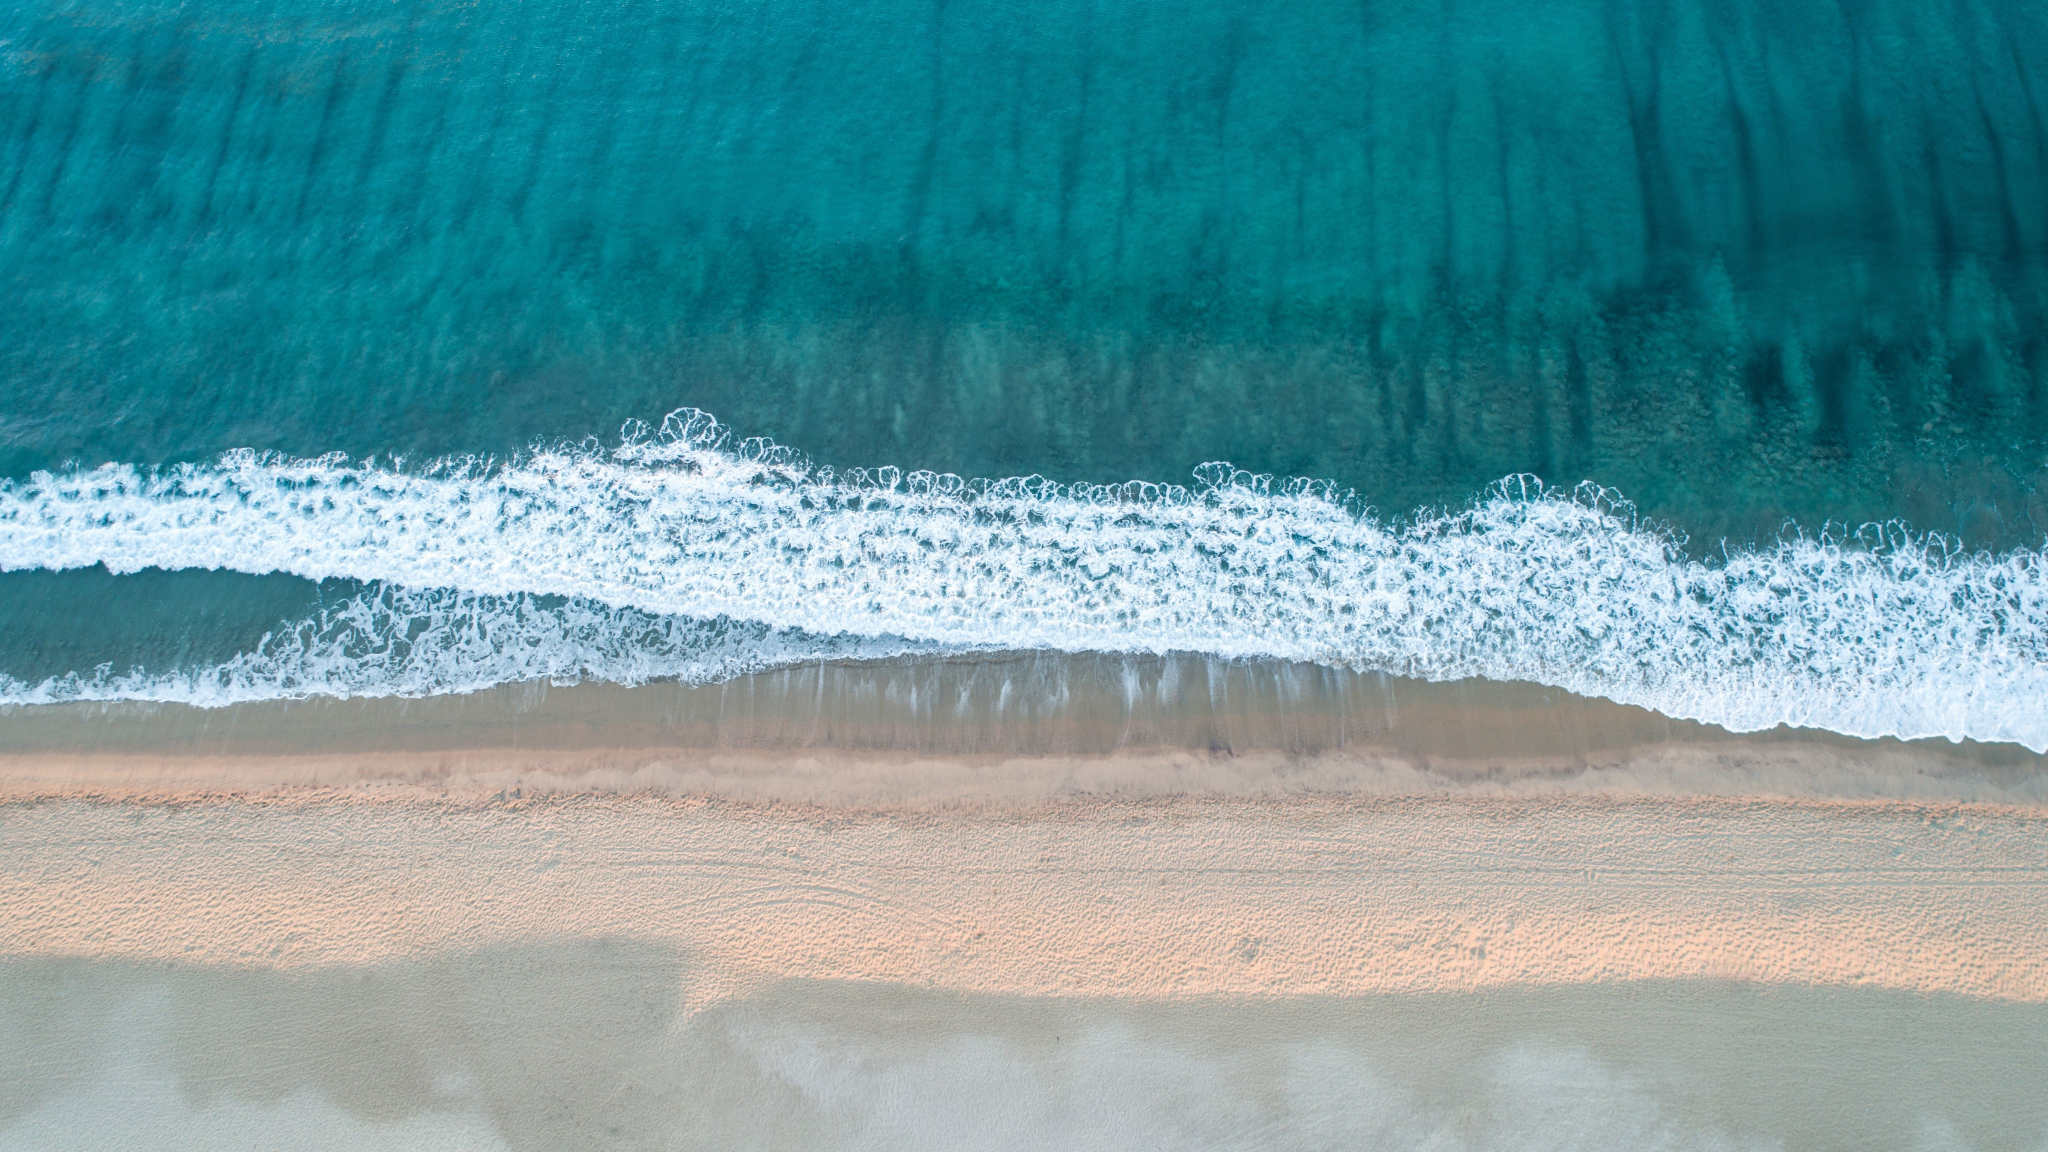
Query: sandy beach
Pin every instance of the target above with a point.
(1024, 728)
(1106, 898)
(335, 968)
(1385, 910)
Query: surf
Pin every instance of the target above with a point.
(734, 555)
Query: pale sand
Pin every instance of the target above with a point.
(1132, 899)
(893, 907)
(358, 970)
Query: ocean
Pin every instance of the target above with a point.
(1691, 355)
(1439, 574)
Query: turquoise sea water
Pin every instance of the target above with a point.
(1746, 265)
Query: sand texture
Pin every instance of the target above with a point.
(341, 969)
(1147, 899)
(893, 906)
(1022, 729)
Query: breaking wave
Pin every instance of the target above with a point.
(682, 553)
(392, 641)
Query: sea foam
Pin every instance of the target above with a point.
(684, 553)
(393, 641)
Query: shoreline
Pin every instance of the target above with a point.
(1019, 728)
(835, 781)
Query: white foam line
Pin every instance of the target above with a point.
(1527, 584)
(389, 641)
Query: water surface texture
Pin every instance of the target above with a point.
(1744, 264)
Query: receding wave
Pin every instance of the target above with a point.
(682, 553)
(392, 641)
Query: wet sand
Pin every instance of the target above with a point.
(1025, 728)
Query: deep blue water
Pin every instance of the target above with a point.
(1746, 264)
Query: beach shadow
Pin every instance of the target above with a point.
(559, 1046)
(588, 1045)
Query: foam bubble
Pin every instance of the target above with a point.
(390, 641)
(1883, 635)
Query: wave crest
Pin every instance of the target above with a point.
(1880, 634)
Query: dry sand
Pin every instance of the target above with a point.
(1145, 898)
(352, 970)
